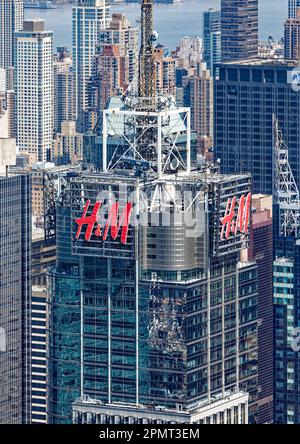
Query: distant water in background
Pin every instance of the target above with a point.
(171, 21)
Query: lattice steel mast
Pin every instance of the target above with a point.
(286, 189)
(146, 80)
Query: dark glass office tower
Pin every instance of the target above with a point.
(212, 37)
(239, 29)
(247, 96)
(15, 299)
(166, 318)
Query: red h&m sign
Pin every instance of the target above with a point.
(114, 222)
(232, 223)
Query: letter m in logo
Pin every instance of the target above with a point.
(114, 224)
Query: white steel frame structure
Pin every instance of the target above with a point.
(149, 137)
(286, 189)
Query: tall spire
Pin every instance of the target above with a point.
(146, 84)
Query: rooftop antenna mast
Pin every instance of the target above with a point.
(286, 189)
(146, 81)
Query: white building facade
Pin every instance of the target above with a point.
(34, 88)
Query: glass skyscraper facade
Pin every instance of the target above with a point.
(163, 320)
(15, 299)
(284, 320)
(247, 97)
(212, 38)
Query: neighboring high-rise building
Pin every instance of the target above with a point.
(114, 66)
(63, 88)
(189, 52)
(239, 29)
(292, 37)
(247, 96)
(121, 32)
(67, 145)
(261, 251)
(292, 7)
(165, 71)
(286, 404)
(198, 95)
(11, 20)
(34, 89)
(89, 18)
(15, 289)
(212, 37)
(110, 78)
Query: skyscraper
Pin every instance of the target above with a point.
(292, 37)
(292, 6)
(247, 96)
(164, 70)
(34, 89)
(63, 88)
(15, 289)
(212, 37)
(198, 95)
(121, 32)
(148, 329)
(67, 145)
(261, 251)
(239, 29)
(114, 66)
(110, 78)
(88, 19)
(11, 20)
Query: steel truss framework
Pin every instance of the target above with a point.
(286, 189)
(149, 139)
(55, 186)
